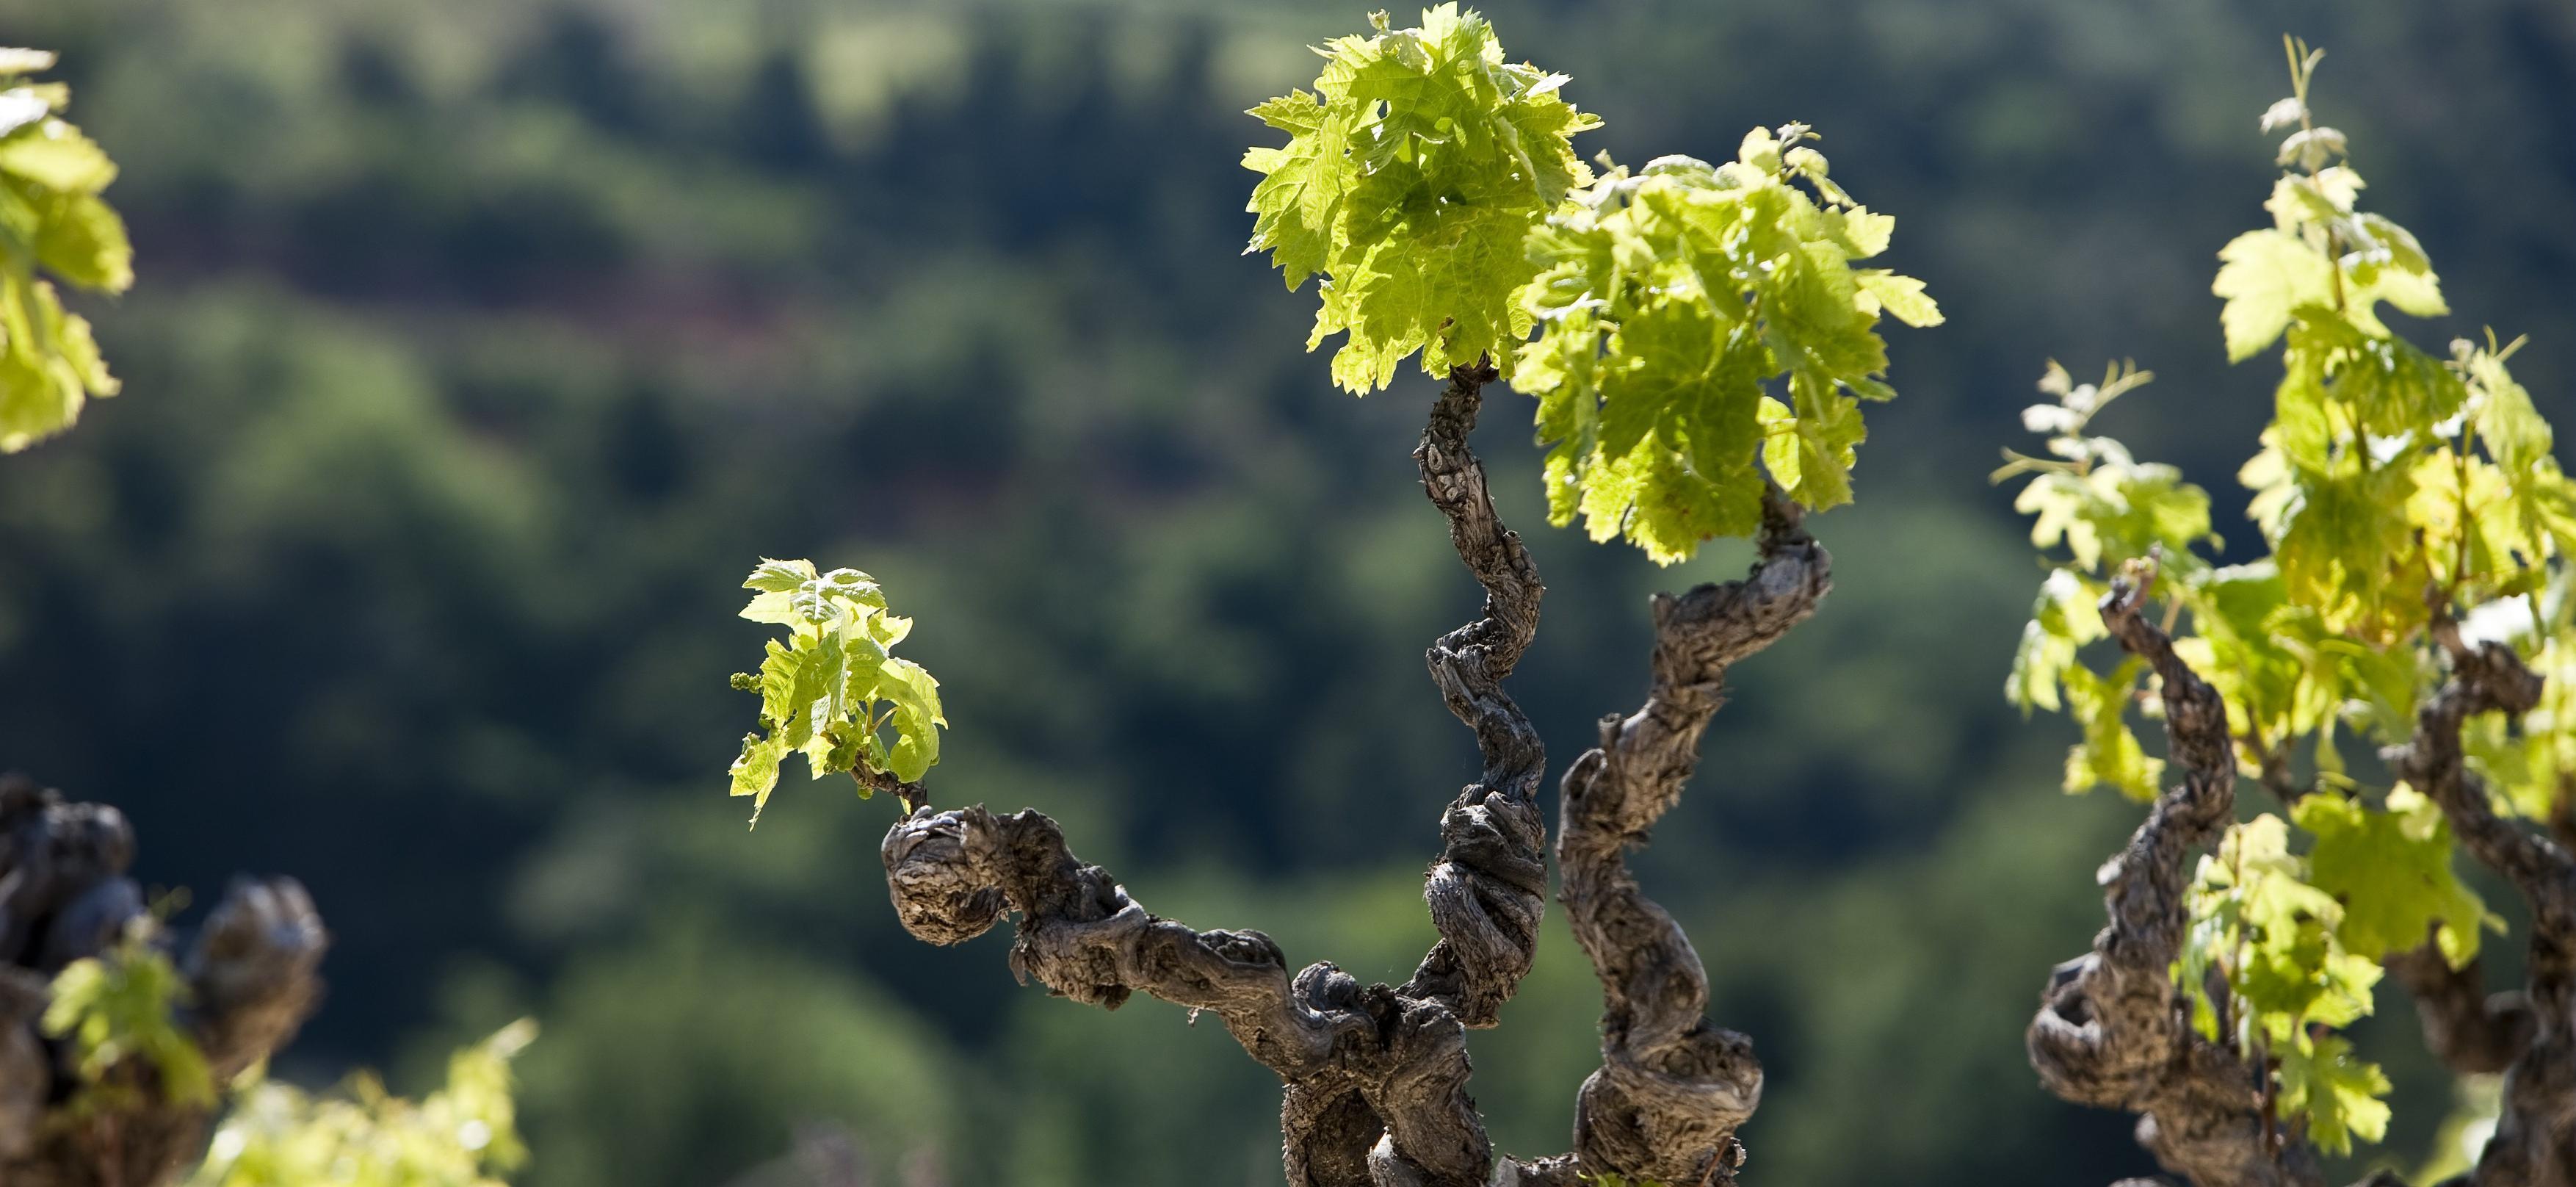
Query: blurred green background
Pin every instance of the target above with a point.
(481, 345)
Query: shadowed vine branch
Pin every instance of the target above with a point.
(1672, 1088)
(2471, 1031)
(2535, 1137)
(1489, 887)
(2111, 1030)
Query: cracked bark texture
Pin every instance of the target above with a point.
(64, 895)
(1375, 1076)
(2111, 1030)
(2535, 1138)
(1489, 887)
(1673, 1087)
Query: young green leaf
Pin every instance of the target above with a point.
(830, 690)
(1677, 308)
(2337, 1094)
(2392, 872)
(2110, 754)
(2264, 276)
(1411, 174)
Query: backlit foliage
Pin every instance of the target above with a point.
(1669, 301)
(1701, 329)
(2393, 489)
(54, 226)
(830, 690)
(1410, 177)
(463, 1135)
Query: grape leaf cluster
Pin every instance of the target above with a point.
(2392, 487)
(1666, 303)
(53, 223)
(2103, 508)
(831, 690)
(1411, 175)
(1435, 189)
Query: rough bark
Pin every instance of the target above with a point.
(1489, 887)
(1376, 1080)
(2535, 1139)
(2111, 1029)
(1673, 1087)
(1375, 1076)
(64, 895)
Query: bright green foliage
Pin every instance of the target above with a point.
(2110, 754)
(2367, 487)
(2061, 621)
(464, 1135)
(116, 1011)
(52, 223)
(2103, 508)
(830, 690)
(2386, 472)
(1702, 328)
(2391, 870)
(2102, 505)
(1410, 177)
(2339, 1096)
(1667, 303)
(2272, 938)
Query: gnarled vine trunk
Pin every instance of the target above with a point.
(1375, 1076)
(2113, 1029)
(64, 895)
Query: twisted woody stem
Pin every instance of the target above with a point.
(1375, 1076)
(2110, 1031)
(1489, 887)
(1672, 1088)
(2535, 1138)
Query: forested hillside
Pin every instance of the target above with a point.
(580, 302)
